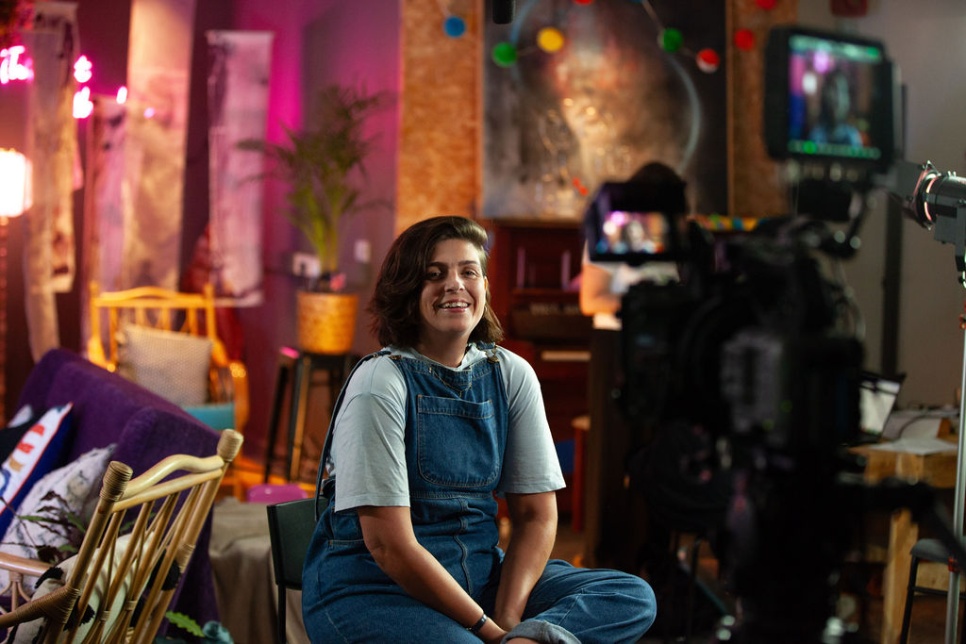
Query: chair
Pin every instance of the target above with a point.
(221, 403)
(139, 540)
(926, 550)
(171, 311)
(290, 528)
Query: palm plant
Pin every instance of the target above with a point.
(317, 163)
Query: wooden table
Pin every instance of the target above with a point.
(939, 471)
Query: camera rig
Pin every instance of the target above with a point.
(755, 344)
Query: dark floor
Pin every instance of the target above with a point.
(928, 623)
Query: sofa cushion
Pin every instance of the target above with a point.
(49, 521)
(54, 579)
(13, 432)
(173, 365)
(41, 450)
(215, 415)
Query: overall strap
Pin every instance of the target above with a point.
(320, 478)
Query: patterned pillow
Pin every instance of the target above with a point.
(15, 429)
(45, 525)
(41, 450)
(54, 577)
(173, 365)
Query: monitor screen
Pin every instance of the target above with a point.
(832, 87)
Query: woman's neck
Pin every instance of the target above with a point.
(449, 354)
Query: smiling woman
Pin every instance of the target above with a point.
(452, 301)
(424, 434)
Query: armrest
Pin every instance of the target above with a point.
(60, 600)
(95, 353)
(22, 565)
(239, 378)
(229, 383)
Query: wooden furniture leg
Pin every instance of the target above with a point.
(903, 534)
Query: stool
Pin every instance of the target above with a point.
(926, 550)
(580, 425)
(268, 493)
(299, 366)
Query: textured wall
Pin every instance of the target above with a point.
(753, 182)
(439, 151)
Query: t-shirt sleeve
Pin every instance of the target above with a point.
(368, 454)
(530, 464)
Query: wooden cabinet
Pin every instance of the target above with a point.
(533, 274)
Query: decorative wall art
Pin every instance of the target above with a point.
(159, 64)
(52, 148)
(580, 92)
(238, 74)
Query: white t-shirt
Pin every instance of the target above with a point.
(368, 453)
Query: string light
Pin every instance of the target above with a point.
(670, 39)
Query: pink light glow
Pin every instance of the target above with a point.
(149, 113)
(15, 65)
(121, 95)
(15, 191)
(83, 69)
(83, 106)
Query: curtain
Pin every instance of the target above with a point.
(52, 147)
(238, 75)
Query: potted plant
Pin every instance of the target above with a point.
(320, 164)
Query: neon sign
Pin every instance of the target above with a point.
(15, 65)
(83, 70)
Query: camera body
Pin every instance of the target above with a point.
(750, 344)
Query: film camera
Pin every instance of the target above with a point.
(754, 345)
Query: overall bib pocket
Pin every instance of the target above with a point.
(456, 442)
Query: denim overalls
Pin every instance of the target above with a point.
(455, 439)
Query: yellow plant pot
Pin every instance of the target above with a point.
(326, 321)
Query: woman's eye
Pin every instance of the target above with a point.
(433, 275)
(470, 273)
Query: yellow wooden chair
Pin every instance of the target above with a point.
(172, 311)
(161, 310)
(141, 536)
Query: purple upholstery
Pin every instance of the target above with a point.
(146, 428)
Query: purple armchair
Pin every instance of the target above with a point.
(145, 427)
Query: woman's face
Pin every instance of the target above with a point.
(454, 293)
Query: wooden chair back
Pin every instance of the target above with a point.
(154, 307)
(140, 538)
(167, 310)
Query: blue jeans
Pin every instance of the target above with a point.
(568, 605)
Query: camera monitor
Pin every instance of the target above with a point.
(628, 223)
(829, 97)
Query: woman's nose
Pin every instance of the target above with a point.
(453, 282)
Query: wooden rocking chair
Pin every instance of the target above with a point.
(141, 537)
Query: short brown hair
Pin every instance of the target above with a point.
(395, 302)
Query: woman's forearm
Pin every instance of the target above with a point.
(399, 555)
(534, 528)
